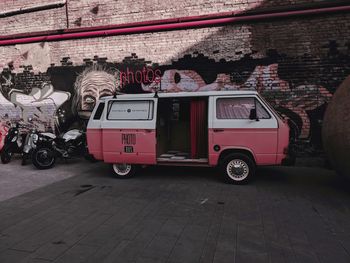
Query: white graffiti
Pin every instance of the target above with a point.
(40, 105)
(8, 81)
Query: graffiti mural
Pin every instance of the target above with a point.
(264, 79)
(94, 82)
(64, 96)
(40, 105)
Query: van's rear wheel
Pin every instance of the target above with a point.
(123, 170)
(237, 168)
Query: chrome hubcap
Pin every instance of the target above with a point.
(122, 169)
(237, 170)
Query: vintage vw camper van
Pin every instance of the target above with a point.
(234, 130)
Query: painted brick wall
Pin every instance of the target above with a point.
(296, 63)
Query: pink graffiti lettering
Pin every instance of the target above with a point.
(146, 75)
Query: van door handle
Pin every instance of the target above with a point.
(218, 130)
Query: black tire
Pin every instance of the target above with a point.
(124, 171)
(6, 154)
(237, 168)
(43, 158)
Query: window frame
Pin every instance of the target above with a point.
(255, 101)
(150, 110)
(100, 106)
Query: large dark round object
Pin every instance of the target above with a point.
(336, 129)
(43, 158)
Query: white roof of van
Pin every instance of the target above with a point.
(183, 94)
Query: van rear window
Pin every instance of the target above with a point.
(99, 111)
(130, 110)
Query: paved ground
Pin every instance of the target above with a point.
(16, 179)
(177, 215)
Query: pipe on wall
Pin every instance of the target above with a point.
(35, 8)
(163, 25)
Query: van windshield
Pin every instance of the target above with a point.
(271, 108)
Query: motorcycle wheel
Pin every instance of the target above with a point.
(6, 154)
(43, 158)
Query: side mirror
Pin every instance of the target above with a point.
(253, 115)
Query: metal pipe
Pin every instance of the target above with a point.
(29, 9)
(153, 26)
(67, 17)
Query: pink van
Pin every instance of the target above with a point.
(234, 130)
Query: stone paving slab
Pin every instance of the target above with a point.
(17, 179)
(177, 215)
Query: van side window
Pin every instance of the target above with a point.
(239, 108)
(99, 111)
(130, 110)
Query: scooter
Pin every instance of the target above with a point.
(48, 147)
(14, 142)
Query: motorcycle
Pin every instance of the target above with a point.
(48, 147)
(29, 144)
(14, 142)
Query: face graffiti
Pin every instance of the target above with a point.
(96, 85)
(91, 85)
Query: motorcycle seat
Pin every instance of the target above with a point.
(49, 134)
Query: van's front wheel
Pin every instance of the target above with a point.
(237, 168)
(123, 170)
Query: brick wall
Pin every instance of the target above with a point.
(296, 63)
(96, 12)
(33, 22)
(50, 19)
(92, 13)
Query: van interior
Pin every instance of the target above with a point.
(182, 130)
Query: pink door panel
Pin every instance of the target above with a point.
(231, 127)
(262, 143)
(129, 146)
(94, 141)
(129, 131)
(94, 132)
